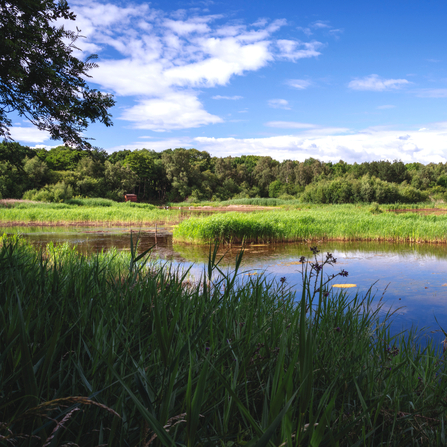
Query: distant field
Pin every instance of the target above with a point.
(337, 222)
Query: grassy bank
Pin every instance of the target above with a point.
(337, 222)
(112, 350)
(88, 211)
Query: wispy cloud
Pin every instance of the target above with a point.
(294, 49)
(386, 106)
(159, 56)
(320, 24)
(290, 125)
(432, 93)
(232, 98)
(279, 104)
(376, 83)
(306, 31)
(299, 84)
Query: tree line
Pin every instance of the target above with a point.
(176, 175)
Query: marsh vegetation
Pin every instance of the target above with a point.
(317, 223)
(115, 349)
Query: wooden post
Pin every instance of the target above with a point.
(155, 234)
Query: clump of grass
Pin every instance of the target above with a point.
(375, 208)
(336, 222)
(111, 349)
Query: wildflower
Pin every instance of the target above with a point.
(337, 329)
(344, 273)
(325, 294)
(207, 349)
(317, 267)
(283, 279)
(314, 250)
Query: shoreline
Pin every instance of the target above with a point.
(85, 223)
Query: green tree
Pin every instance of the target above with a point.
(265, 172)
(15, 153)
(40, 78)
(37, 171)
(142, 163)
(119, 180)
(183, 170)
(62, 158)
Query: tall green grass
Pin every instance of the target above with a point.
(115, 350)
(338, 222)
(86, 210)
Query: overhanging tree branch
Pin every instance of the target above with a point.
(40, 78)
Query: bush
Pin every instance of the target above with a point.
(367, 190)
(51, 193)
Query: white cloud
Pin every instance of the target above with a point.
(289, 125)
(358, 147)
(306, 31)
(158, 56)
(279, 104)
(325, 143)
(29, 134)
(320, 24)
(232, 98)
(174, 111)
(386, 106)
(375, 83)
(433, 93)
(299, 84)
(158, 146)
(294, 49)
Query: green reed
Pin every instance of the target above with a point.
(113, 349)
(337, 222)
(86, 210)
(248, 201)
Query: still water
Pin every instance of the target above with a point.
(411, 278)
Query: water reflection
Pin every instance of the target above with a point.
(414, 276)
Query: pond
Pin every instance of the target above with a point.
(411, 278)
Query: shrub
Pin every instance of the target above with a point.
(51, 193)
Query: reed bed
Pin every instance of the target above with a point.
(86, 211)
(344, 222)
(112, 349)
(246, 202)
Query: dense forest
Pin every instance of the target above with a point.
(191, 175)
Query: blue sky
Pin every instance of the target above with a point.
(352, 80)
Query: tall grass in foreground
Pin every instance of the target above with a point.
(109, 350)
(337, 222)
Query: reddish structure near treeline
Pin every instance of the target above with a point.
(130, 197)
